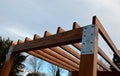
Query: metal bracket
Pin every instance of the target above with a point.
(88, 39)
(9, 53)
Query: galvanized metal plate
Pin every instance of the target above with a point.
(88, 39)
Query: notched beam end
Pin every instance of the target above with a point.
(94, 19)
(47, 34)
(20, 41)
(76, 25)
(36, 37)
(27, 39)
(59, 30)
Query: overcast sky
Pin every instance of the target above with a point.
(21, 18)
(24, 18)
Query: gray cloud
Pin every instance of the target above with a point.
(28, 17)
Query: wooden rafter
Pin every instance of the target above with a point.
(64, 38)
(56, 50)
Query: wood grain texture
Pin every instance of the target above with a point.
(88, 62)
(107, 58)
(66, 47)
(62, 52)
(105, 35)
(50, 60)
(107, 73)
(103, 66)
(54, 56)
(75, 73)
(8, 64)
(64, 38)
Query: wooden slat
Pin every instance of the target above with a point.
(52, 58)
(105, 36)
(76, 45)
(76, 25)
(61, 52)
(64, 38)
(67, 48)
(8, 63)
(50, 52)
(99, 69)
(53, 54)
(107, 58)
(103, 65)
(46, 57)
(49, 60)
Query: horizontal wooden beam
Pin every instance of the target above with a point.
(107, 73)
(105, 35)
(51, 54)
(42, 55)
(64, 38)
(66, 47)
(103, 65)
(100, 51)
(78, 46)
(49, 60)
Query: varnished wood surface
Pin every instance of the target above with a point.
(64, 38)
(105, 35)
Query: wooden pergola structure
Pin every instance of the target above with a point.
(56, 50)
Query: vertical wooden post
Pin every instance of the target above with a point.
(8, 63)
(74, 73)
(88, 60)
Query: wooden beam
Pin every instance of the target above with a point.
(88, 60)
(64, 38)
(9, 61)
(50, 53)
(103, 66)
(75, 73)
(107, 73)
(45, 56)
(105, 35)
(76, 25)
(49, 60)
(78, 46)
(66, 47)
(63, 53)
(100, 51)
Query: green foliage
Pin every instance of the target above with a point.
(58, 72)
(17, 65)
(4, 47)
(116, 60)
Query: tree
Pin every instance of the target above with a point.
(36, 74)
(55, 70)
(116, 60)
(35, 64)
(17, 65)
(4, 47)
(58, 72)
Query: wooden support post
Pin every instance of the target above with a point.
(88, 60)
(74, 73)
(8, 63)
(108, 73)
